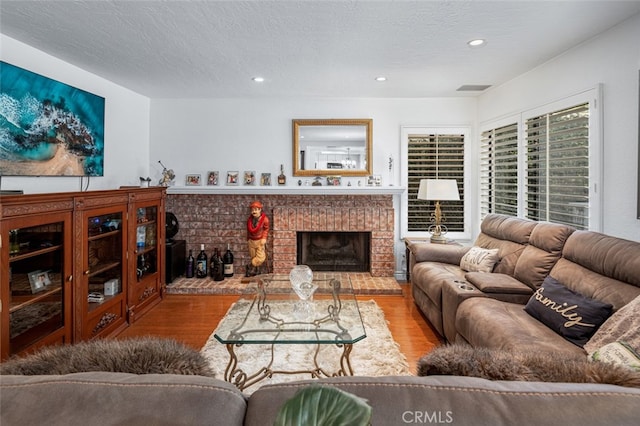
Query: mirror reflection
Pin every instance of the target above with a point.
(332, 147)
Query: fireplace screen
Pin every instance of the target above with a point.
(334, 251)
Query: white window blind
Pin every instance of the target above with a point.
(499, 171)
(557, 166)
(434, 156)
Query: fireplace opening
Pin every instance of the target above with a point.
(334, 251)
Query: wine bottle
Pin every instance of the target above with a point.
(217, 267)
(191, 262)
(282, 179)
(201, 263)
(227, 261)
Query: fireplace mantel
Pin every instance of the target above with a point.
(288, 190)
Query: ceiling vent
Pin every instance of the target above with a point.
(473, 87)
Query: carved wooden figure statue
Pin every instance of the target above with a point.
(257, 232)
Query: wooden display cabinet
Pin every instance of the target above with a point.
(57, 250)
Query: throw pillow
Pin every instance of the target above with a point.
(618, 353)
(478, 259)
(570, 314)
(623, 325)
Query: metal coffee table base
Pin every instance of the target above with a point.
(242, 380)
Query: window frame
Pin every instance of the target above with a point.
(405, 132)
(591, 96)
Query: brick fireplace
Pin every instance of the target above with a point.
(216, 220)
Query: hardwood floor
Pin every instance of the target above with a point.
(192, 318)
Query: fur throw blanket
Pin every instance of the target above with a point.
(492, 364)
(145, 355)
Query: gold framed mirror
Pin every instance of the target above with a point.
(327, 147)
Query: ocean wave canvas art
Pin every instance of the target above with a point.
(48, 128)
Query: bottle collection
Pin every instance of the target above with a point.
(217, 266)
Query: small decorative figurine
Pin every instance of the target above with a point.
(167, 175)
(257, 232)
(282, 179)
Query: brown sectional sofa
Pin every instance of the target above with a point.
(101, 398)
(487, 309)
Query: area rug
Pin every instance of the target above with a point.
(362, 282)
(376, 355)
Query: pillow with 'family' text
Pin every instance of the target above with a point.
(478, 259)
(569, 313)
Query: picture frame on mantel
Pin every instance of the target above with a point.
(249, 177)
(265, 179)
(192, 180)
(212, 178)
(232, 177)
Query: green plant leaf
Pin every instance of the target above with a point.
(324, 406)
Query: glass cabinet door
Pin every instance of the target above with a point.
(104, 258)
(38, 270)
(146, 242)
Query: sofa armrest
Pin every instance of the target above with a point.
(445, 253)
(455, 292)
(500, 286)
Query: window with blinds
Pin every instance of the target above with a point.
(499, 171)
(557, 175)
(434, 156)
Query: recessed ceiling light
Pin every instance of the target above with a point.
(477, 42)
(381, 78)
(258, 79)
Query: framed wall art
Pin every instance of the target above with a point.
(212, 178)
(48, 128)
(232, 178)
(192, 180)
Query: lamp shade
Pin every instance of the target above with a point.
(438, 190)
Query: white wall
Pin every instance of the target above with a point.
(126, 134)
(197, 136)
(613, 59)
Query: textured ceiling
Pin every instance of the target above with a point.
(203, 49)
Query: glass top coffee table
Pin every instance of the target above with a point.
(270, 312)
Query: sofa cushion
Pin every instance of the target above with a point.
(422, 251)
(103, 398)
(568, 313)
(508, 234)
(601, 267)
(478, 259)
(431, 276)
(542, 252)
(484, 321)
(459, 400)
(497, 283)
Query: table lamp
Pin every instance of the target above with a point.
(438, 190)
